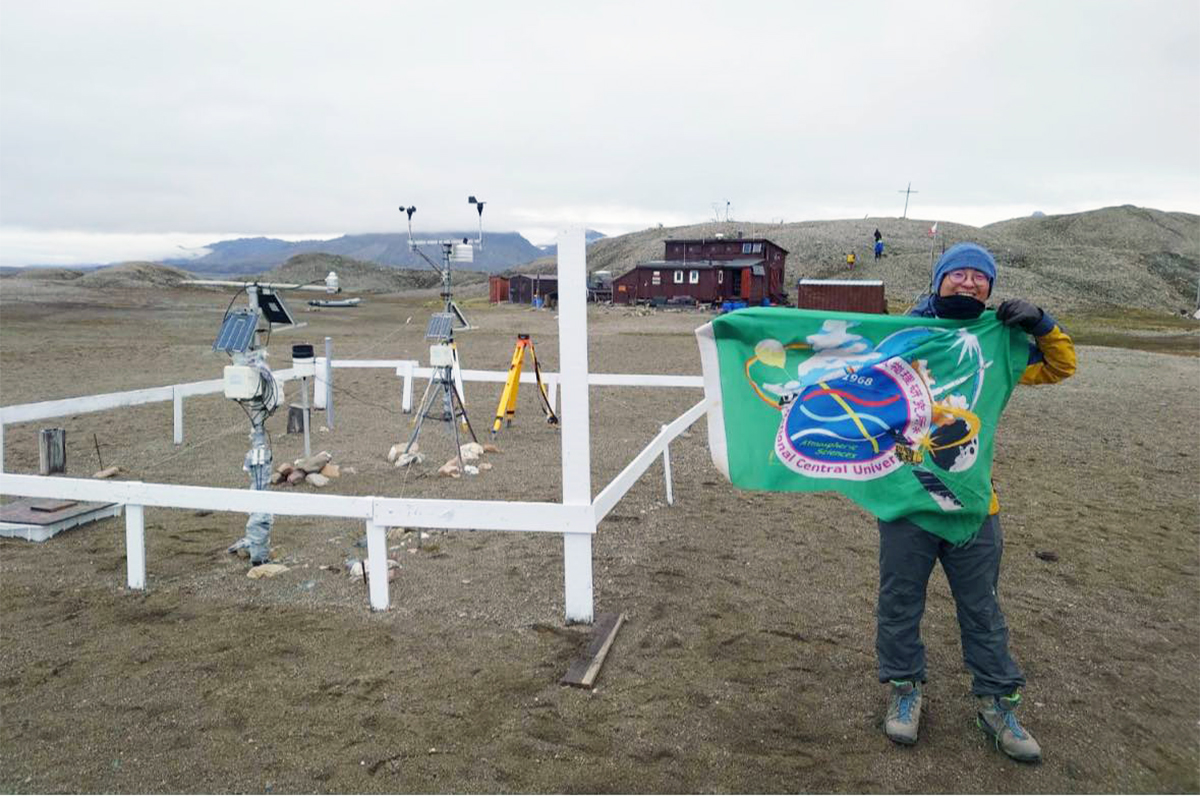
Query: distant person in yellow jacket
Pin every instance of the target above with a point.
(962, 281)
(850, 259)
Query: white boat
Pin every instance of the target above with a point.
(352, 302)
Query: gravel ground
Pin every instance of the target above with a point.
(747, 661)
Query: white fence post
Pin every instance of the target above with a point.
(1, 447)
(177, 400)
(406, 393)
(552, 392)
(576, 435)
(667, 470)
(135, 546)
(329, 383)
(378, 566)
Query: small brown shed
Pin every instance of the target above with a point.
(497, 289)
(844, 295)
(522, 288)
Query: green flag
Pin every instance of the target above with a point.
(898, 413)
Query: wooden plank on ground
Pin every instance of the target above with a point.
(586, 668)
(51, 504)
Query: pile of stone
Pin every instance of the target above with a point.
(316, 470)
(455, 468)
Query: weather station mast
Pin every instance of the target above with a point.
(249, 382)
(446, 379)
(453, 251)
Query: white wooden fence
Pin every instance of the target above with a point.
(576, 517)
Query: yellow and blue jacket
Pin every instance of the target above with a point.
(1051, 359)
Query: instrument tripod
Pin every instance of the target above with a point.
(442, 381)
(507, 407)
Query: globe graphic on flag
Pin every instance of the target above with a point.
(849, 419)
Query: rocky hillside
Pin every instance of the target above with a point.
(358, 276)
(1117, 256)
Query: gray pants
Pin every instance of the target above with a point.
(906, 558)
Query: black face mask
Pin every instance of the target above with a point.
(958, 308)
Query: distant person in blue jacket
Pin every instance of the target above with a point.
(878, 249)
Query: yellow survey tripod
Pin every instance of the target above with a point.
(508, 399)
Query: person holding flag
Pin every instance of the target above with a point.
(963, 279)
(899, 414)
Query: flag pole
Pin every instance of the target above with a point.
(932, 245)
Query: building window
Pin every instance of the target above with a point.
(679, 277)
(656, 278)
(746, 247)
(693, 277)
(758, 248)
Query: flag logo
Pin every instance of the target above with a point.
(896, 413)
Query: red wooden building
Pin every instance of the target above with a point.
(709, 270)
(844, 295)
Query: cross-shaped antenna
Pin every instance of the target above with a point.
(906, 193)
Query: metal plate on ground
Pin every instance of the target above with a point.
(27, 518)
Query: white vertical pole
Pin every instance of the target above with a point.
(177, 400)
(576, 435)
(329, 382)
(1, 447)
(406, 398)
(377, 563)
(552, 392)
(135, 546)
(667, 471)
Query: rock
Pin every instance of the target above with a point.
(295, 477)
(471, 451)
(349, 470)
(316, 479)
(470, 469)
(284, 469)
(485, 465)
(323, 430)
(266, 570)
(397, 450)
(406, 459)
(331, 470)
(396, 533)
(276, 478)
(490, 448)
(107, 472)
(1047, 555)
(357, 569)
(314, 463)
(451, 468)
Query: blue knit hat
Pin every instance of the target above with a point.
(965, 255)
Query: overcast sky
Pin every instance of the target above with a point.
(131, 129)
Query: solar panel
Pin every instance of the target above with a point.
(274, 309)
(440, 326)
(237, 331)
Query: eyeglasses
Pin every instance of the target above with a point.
(961, 275)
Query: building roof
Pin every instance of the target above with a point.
(543, 277)
(726, 240)
(861, 282)
(685, 265)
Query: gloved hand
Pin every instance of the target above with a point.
(1019, 312)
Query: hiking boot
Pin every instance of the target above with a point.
(997, 718)
(904, 712)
